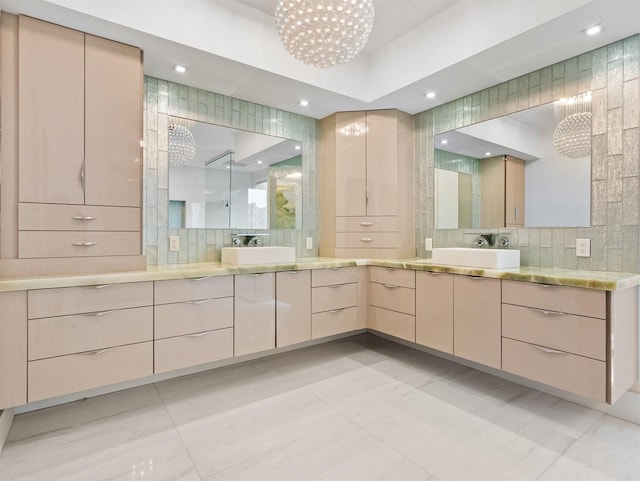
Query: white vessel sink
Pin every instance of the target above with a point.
(473, 257)
(241, 256)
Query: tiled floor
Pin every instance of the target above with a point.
(358, 409)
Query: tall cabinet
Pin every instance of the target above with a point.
(366, 170)
(74, 144)
(502, 192)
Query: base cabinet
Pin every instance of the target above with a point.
(293, 307)
(434, 310)
(13, 349)
(334, 301)
(392, 304)
(255, 313)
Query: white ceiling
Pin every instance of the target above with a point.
(451, 47)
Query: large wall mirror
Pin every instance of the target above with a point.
(528, 169)
(221, 178)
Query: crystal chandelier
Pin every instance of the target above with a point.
(182, 145)
(572, 137)
(323, 33)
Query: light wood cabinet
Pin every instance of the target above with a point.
(502, 192)
(13, 349)
(293, 307)
(255, 313)
(334, 301)
(367, 174)
(392, 302)
(434, 310)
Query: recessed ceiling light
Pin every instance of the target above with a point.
(259, 161)
(593, 30)
(180, 68)
(444, 141)
(430, 95)
(297, 147)
(487, 153)
(304, 103)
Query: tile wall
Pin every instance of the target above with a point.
(612, 74)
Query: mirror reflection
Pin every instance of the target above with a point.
(528, 169)
(222, 178)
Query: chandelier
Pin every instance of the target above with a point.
(572, 137)
(323, 33)
(182, 145)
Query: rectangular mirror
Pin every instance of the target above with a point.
(221, 178)
(528, 169)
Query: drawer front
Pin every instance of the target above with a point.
(392, 276)
(387, 240)
(36, 244)
(192, 316)
(334, 297)
(180, 290)
(75, 300)
(77, 217)
(394, 323)
(332, 276)
(57, 336)
(585, 336)
(572, 300)
(400, 299)
(193, 349)
(367, 224)
(334, 322)
(580, 375)
(78, 372)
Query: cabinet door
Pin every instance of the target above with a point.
(492, 181)
(255, 313)
(113, 123)
(13, 349)
(382, 162)
(477, 322)
(514, 192)
(51, 119)
(434, 310)
(351, 168)
(293, 307)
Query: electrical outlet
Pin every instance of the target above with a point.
(428, 243)
(309, 243)
(583, 247)
(174, 243)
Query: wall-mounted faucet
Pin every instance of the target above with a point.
(247, 240)
(491, 240)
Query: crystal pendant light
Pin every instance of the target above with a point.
(572, 137)
(324, 33)
(182, 145)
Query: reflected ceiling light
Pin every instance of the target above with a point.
(182, 145)
(354, 129)
(324, 33)
(180, 68)
(593, 30)
(444, 141)
(297, 147)
(572, 136)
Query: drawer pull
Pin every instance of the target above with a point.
(203, 301)
(98, 351)
(366, 239)
(390, 286)
(366, 224)
(199, 334)
(335, 286)
(475, 277)
(84, 244)
(196, 279)
(99, 314)
(82, 217)
(548, 313)
(548, 350)
(292, 272)
(101, 286)
(335, 311)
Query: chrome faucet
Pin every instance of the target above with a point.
(485, 240)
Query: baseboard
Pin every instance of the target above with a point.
(6, 419)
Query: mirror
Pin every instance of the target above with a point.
(528, 169)
(221, 178)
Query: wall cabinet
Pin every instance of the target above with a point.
(392, 304)
(334, 301)
(293, 307)
(367, 177)
(255, 313)
(502, 189)
(434, 310)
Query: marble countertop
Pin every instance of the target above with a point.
(610, 281)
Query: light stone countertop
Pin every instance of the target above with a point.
(609, 281)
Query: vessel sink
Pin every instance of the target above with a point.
(473, 257)
(241, 256)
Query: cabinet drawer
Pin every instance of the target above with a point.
(198, 288)
(192, 316)
(585, 336)
(394, 323)
(334, 297)
(78, 372)
(387, 240)
(36, 244)
(580, 375)
(392, 276)
(333, 322)
(367, 224)
(332, 276)
(62, 217)
(572, 300)
(193, 349)
(57, 336)
(400, 299)
(75, 300)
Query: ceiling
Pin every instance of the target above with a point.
(450, 47)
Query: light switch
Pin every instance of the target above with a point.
(309, 243)
(428, 243)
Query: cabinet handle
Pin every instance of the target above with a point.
(84, 161)
(84, 244)
(548, 313)
(83, 217)
(196, 279)
(291, 272)
(390, 286)
(98, 351)
(199, 334)
(203, 301)
(515, 213)
(366, 239)
(101, 286)
(548, 350)
(99, 314)
(366, 224)
(335, 286)
(475, 277)
(335, 311)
